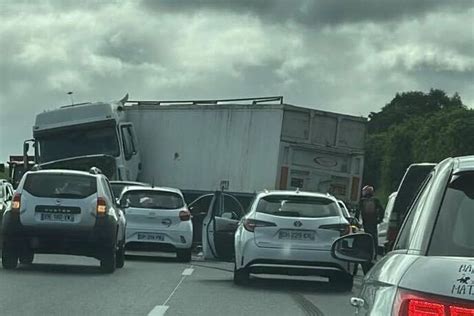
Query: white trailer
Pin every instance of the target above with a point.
(246, 147)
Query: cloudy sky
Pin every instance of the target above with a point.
(347, 56)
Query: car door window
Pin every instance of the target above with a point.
(201, 205)
(232, 209)
(453, 235)
(409, 225)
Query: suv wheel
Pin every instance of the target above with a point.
(9, 256)
(241, 276)
(27, 256)
(345, 282)
(120, 257)
(108, 260)
(184, 255)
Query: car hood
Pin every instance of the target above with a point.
(446, 276)
(105, 163)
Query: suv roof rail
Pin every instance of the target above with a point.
(95, 170)
(36, 167)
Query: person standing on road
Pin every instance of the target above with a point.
(371, 211)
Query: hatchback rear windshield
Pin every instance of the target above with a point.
(453, 234)
(298, 206)
(65, 186)
(153, 199)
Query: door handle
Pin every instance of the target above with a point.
(357, 302)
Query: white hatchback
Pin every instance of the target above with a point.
(157, 219)
(291, 232)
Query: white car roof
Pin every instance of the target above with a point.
(296, 193)
(64, 171)
(149, 188)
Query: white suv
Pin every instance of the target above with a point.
(291, 232)
(64, 212)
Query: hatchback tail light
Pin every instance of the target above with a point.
(250, 224)
(101, 207)
(16, 202)
(417, 304)
(184, 215)
(343, 229)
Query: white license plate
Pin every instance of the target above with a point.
(57, 217)
(296, 235)
(151, 236)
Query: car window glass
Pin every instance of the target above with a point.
(153, 199)
(404, 237)
(453, 235)
(201, 205)
(232, 206)
(298, 206)
(60, 185)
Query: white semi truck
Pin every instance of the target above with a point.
(241, 145)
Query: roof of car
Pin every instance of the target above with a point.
(149, 188)
(297, 193)
(465, 163)
(64, 171)
(135, 183)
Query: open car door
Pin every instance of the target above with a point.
(220, 225)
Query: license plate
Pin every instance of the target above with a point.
(151, 236)
(296, 235)
(50, 217)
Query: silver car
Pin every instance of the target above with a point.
(431, 269)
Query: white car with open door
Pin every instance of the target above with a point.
(157, 219)
(291, 232)
(219, 226)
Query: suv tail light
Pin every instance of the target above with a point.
(16, 202)
(101, 207)
(184, 215)
(250, 224)
(416, 304)
(343, 229)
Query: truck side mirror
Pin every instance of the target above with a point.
(355, 248)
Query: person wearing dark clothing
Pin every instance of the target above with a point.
(371, 211)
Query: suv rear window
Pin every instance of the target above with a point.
(67, 186)
(298, 206)
(453, 235)
(153, 199)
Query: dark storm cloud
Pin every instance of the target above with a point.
(313, 12)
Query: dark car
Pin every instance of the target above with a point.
(407, 190)
(431, 268)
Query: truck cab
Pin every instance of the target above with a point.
(88, 134)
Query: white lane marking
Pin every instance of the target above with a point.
(188, 271)
(159, 310)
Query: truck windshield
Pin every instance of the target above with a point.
(79, 142)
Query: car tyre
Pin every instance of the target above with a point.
(184, 255)
(27, 256)
(120, 256)
(344, 282)
(241, 276)
(9, 256)
(108, 261)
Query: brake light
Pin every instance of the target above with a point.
(184, 215)
(101, 206)
(250, 224)
(16, 202)
(416, 304)
(343, 229)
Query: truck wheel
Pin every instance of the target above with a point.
(108, 261)
(241, 276)
(184, 255)
(27, 256)
(9, 256)
(120, 257)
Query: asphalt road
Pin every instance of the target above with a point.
(158, 285)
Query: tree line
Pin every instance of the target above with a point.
(415, 127)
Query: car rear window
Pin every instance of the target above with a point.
(298, 206)
(60, 185)
(453, 235)
(153, 199)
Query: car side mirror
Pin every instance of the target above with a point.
(355, 248)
